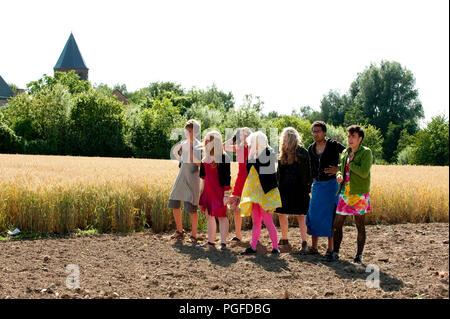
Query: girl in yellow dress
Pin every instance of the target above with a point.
(260, 196)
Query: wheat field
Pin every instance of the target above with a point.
(61, 194)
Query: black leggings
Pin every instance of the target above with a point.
(337, 232)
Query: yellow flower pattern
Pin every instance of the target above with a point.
(253, 193)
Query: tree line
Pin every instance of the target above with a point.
(63, 115)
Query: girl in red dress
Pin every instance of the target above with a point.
(216, 174)
(238, 145)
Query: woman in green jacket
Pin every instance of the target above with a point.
(354, 187)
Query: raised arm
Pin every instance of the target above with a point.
(229, 146)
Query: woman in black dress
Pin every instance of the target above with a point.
(294, 180)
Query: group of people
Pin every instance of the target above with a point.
(320, 185)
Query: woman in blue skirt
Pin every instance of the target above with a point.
(324, 158)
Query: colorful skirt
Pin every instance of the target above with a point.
(352, 204)
(253, 193)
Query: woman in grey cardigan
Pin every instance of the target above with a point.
(187, 184)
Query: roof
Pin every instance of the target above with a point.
(5, 91)
(120, 97)
(70, 56)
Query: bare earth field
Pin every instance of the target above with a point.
(413, 260)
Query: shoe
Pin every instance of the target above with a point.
(207, 245)
(193, 240)
(312, 251)
(222, 246)
(178, 235)
(357, 260)
(275, 252)
(283, 242)
(14, 232)
(235, 239)
(330, 256)
(305, 250)
(248, 251)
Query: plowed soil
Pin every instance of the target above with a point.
(413, 262)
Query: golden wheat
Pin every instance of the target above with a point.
(58, 194)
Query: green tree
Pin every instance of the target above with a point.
(355, 115)
(373, 140)
(405, 156)
(308, 113)
(71, 80)
(431, 145)
(301, 125)
(150, 132)
(121, 87)
(19, 115)
(404, 141)
(97, 125)
(392, 138)
(9, 142)
(103, 89)
(13, 87)
(209, 117)
(333, 107)
(213, 97)
(387, 95)
(272, 115)
(244, 116)
(337, 133)
(253, 102)
(42, 120)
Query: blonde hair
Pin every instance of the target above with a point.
(288, 148)
(257, 142)
(214, 145)
(244, 130)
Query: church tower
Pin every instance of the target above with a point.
(71, 59)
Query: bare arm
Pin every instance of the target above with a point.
(176, 152)
(229, 146)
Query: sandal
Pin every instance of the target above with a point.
(193, 239)
(283, 242)
(178, 235)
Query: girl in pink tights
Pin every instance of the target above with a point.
(260, 196)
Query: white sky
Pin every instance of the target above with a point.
(290, 53)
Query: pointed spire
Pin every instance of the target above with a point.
(70, 57)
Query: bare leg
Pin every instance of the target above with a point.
(212, 227)
(283, 225)
(238, 223)
(194, 223)
(223, 227)
(178, 220)
(315, 241)
(302, 225)
(330, 244)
